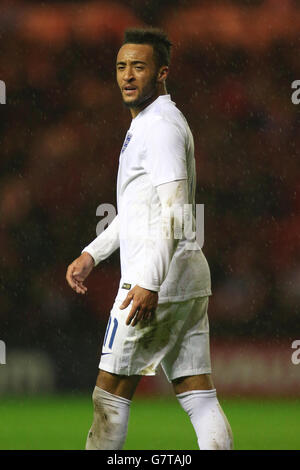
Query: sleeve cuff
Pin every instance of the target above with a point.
(148, 286)
(91, 252)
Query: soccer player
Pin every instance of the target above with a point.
(159, 316)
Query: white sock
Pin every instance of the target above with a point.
(109, 427)
(210, 423)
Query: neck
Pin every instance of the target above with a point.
(161, 91)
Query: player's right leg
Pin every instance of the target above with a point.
(111, 399)
(115, 385)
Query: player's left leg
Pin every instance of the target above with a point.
(188, 366)
(111, 399)
(198, 398)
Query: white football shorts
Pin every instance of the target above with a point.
(177, 338)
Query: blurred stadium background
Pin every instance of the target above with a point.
(60, 135)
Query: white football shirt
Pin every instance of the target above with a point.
(158, 149)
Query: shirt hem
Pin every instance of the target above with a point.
(169, 179)
(182, 298)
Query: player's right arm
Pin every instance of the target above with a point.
(78, 271)
(100, 249)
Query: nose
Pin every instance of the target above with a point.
(128, 75)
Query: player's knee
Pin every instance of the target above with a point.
(97, 399)
(193, 382)
(103, 406)
(109, 427)
(109, 408)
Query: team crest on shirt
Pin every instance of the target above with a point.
(126, 141)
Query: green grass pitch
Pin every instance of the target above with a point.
(62, 422)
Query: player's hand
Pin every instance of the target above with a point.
(78, 271)
(144, 303)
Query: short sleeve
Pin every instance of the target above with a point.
(165, 152)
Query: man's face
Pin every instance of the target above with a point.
(136, 74)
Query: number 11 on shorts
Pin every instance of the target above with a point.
(112, 334)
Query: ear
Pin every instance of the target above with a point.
(162, 73)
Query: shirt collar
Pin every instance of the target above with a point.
(150, 106)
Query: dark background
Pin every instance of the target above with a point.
(60, 135)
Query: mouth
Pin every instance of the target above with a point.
(129, 90)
